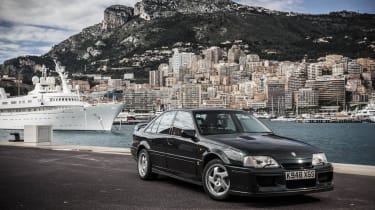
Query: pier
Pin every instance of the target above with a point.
(71, 177)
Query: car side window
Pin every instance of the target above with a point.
(154, 126)
(165, 124)
(214, 123)
(225, 122)
(183, 121)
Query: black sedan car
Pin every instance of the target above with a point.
(228, 152)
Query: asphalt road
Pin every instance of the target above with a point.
(46, 179)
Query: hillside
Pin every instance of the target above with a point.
(139, 39)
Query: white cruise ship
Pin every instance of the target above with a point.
(59, 106)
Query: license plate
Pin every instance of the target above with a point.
(297, 175)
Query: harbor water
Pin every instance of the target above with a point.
(342, 142)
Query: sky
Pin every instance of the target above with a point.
(32, 27)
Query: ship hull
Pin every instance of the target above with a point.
(98, 117)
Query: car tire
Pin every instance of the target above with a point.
(216, 181)
(144, 166)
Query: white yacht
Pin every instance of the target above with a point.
(59, 106)
(368, 112)
(283, 119)
(262, 115)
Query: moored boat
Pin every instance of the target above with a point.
(59, 106)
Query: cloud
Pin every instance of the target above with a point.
(13, 49)
(20, 32)
(280, 5)
(33, 26)
(70, 14)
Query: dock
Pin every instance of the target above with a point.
(328, 120)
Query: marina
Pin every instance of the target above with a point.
(328, 120)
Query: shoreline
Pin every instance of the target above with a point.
(342, 168)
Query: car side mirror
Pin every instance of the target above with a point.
(139, 126)
(189, 134)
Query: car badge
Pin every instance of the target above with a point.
(293, 154)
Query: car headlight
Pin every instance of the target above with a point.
(260, 162)
(319, 159)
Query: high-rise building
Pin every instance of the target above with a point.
(191, 96)
(252, 66)
(276, 97)
(140, 99)
(338, 69)
(170, 81)
(211, 92)
(212, 56)
(288, 100)
(156, 78)
(247, 88)
(298, 78)
(180, 60)
(164, 69)
(234, 54)
(307, 98)
(286, 68)
(331, 90)
(314, 70)
(255, 105)
(354, 68)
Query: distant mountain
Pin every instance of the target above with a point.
(138, 39)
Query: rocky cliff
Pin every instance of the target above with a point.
(151, 9)
(116, 16)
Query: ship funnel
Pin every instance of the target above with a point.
(35, 79)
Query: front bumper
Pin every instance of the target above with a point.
(272, 182)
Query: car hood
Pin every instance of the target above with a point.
(272, 145)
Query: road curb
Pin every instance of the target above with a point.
(107, 150)
(344, 168)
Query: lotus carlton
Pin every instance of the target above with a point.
(228, 152)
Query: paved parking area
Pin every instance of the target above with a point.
(48, 179)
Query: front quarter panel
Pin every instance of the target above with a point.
(139, 140)
(227, 154)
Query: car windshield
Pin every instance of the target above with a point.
(228, 122)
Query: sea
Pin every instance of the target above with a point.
(352, 143)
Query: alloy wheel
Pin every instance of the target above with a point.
(217, 180)
(142, 164)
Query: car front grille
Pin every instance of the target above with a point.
(269, 181)
(296, 166)
(294, 184)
